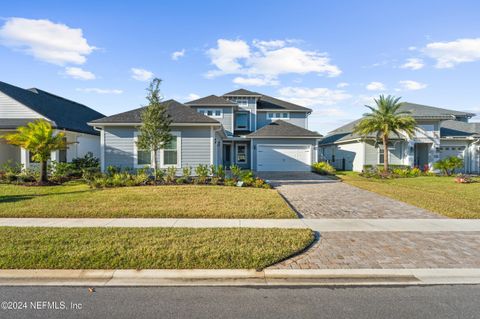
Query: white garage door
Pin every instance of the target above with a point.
(283, 158)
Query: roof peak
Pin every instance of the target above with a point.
(242, 92)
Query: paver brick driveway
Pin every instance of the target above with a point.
(353, 250)
(315, 196)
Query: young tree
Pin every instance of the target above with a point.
(155, 129)
(384, 120)
(39, 139)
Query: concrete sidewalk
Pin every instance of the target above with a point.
(320, 225)
(237, 277)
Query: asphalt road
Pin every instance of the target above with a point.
(243, 302)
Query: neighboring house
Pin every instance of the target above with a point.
(440, 133)
(249, 129)
(19, 106)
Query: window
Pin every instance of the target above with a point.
(241, 153)
(278, 115)
(170, 154)
(381, 153)
(241, 121)
(242, 101)
(214, 113)
(141, 157)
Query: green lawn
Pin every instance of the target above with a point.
(189, 201)
(148, 248)
(437, 194)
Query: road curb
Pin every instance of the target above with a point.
(238, 277)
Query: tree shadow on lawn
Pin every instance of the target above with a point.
(22, 197)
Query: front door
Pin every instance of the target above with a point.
(227, 156)
(421, 154)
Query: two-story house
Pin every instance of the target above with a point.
(248, 129)
(440, 133)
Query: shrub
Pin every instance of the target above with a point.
(87, 161)
(111, 169)
(159, 174)
(261, 183)
(215, 180)
(202, 172)
(230, 182)
(187, 173)
(89, 173)
(448, 165)
(248, 179)
(170, 175)
(236, 172)
(62, 172)
(323, 168)
(9, 171)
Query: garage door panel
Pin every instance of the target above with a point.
(283, 158)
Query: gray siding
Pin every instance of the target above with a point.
(296, 118)
(119, 146)
(195, 146)
(226, 120)
(285, 141)
(396, 155)
(11, 109)
(250, 107)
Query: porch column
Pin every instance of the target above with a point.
(24, 160)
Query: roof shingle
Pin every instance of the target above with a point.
(280, 128)
(65, 114)
(211, 100)
(178, 112)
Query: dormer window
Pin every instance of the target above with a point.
(278, 115)
(213, 113)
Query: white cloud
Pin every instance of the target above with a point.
(312, 96)
(178, 54)
(413, 64)
(412, 85)
(375, 86)
(226, 56)
(342, 85)
(45, 40)
(99, 91)
(79, 73)
(266, 60)
(255, 81)
(192, 96)
(412, 48)
(141, 74)
(449, 54)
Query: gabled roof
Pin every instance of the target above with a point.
(211, 100)
(64, 114)
(242, 92)
(270, 103)
(449, 126)
(281, 128)
(178, 112)
(266, 102)
(420, 111)
(459, 129)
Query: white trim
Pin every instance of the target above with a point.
(272, 115)
(140, 124)
(102, 150)
(178, 134)
(212, 145)
(284, 137)
(236, 153)
(205, 110)
(283, 110)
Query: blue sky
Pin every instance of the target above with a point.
(332, 56)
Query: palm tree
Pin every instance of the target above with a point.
(39, 139)
(384, 120)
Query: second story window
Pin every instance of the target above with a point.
(214, 113)
(278, 115)
(241, 121)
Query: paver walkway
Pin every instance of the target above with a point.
(315, 196)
